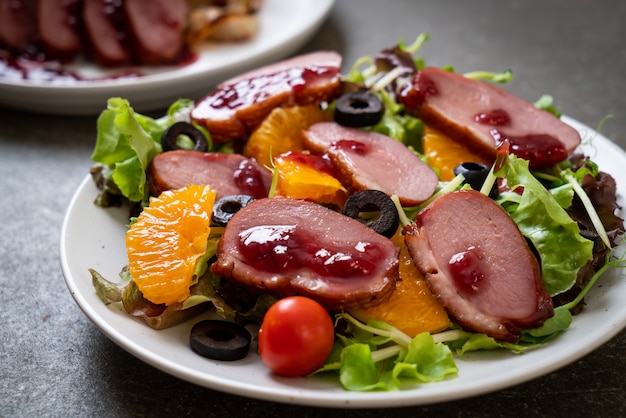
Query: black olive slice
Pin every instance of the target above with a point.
(220, 340)
(386, 223)
(169, 138)
(226, 207)
(359, 108)
(475, 175)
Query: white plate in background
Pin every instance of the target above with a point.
(285, 26)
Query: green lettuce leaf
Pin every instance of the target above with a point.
(542, 220)
(125, 144)
(376, 356)
(155, 316)
(397, 124)
(480, 342)
(358, 371)
(202, 295)
(559, 322)
(127, 141)
(425, 361)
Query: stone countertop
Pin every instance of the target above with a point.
(55, 362)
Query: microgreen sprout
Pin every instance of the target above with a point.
(404, 219)
(546, 102)
(591, 211)
(451, 186)
(610, 263)
(393, 333)
(417, 44)
(489, 182)
(386, 79)
(501, 77)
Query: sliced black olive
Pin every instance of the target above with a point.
(169, 138)
(359, 108)
(226, 207)
(387, 221)
(220, 340)
(475, 175)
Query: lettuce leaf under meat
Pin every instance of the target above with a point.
(546, 224)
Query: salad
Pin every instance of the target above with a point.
(570, 202)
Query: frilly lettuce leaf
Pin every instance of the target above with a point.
(379, 357)
(397, 124)
(480, 342)
(542, 220)
(206, 293)
(202, 295)
(127, 141)
(201, 299)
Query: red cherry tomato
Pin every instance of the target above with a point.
(296, 336)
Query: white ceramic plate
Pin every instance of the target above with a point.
(285, 25)
(94, 238)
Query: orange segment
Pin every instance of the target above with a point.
(445, 153)
(304, 176)
(166, 241)
(411, 308)
(281, 131)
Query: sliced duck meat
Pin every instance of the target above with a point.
(369, 160)
(156, 29)
(58, 27)
(483, 116)
(478, 264)
(103, 24)
(240, 104)
(227, 174)
(18, 23)
(286, 247)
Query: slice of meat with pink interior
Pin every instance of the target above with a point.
(482, 116)
(227, 174)
(286, 247)
(478, 264)
(103, 24)
(240, 104)
(156, 28)
(58, 27)
(369, 160)
(18, 23)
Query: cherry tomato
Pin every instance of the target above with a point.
(296, 336)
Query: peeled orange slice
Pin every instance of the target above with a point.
(411, 308)
(281, 131)
(444, 153)
(166, 241)
(303, 176)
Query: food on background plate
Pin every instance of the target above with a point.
(497, 240)
(116, 34)
(224, 21)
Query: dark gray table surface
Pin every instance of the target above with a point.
(55, 362)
